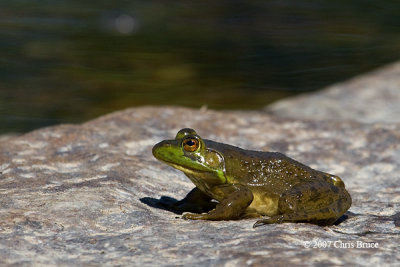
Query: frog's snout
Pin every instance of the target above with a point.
(164, 150)
(157, 148)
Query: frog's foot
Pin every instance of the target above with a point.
(213, 215)
(195, 216)
(310, 216)
(270, 220)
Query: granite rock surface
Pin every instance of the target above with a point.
(87, 194)
(371, 97)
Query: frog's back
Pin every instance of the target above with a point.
(266, 169)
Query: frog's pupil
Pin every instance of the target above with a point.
(190, 143)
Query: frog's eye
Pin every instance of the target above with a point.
(190, 144)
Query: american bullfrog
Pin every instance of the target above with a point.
(236, 183)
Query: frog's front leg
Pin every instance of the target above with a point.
(315, 202)
(195, 201)
(235, 200)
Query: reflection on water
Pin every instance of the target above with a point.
(69, 61)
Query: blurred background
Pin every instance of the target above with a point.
(68, 61)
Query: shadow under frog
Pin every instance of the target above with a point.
(233, 183)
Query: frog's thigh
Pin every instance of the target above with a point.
(231, 207)
(315, 202)
(308, 196)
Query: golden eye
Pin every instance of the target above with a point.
(191, 144)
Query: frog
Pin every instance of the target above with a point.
(232, 183)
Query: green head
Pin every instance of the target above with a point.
(188, 153)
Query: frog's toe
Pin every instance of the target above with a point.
(270, 220)
(260, 222)
(193, 216)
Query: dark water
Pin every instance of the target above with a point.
(69, 61)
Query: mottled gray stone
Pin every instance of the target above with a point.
(372, 97)
(84, 194)
(5, 137)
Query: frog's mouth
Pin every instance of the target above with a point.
(185, 169)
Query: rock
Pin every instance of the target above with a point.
(372, 97)
(87, 194)
(5, 137)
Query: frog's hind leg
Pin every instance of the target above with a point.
(306, 204)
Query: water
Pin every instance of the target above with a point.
(70, 61)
